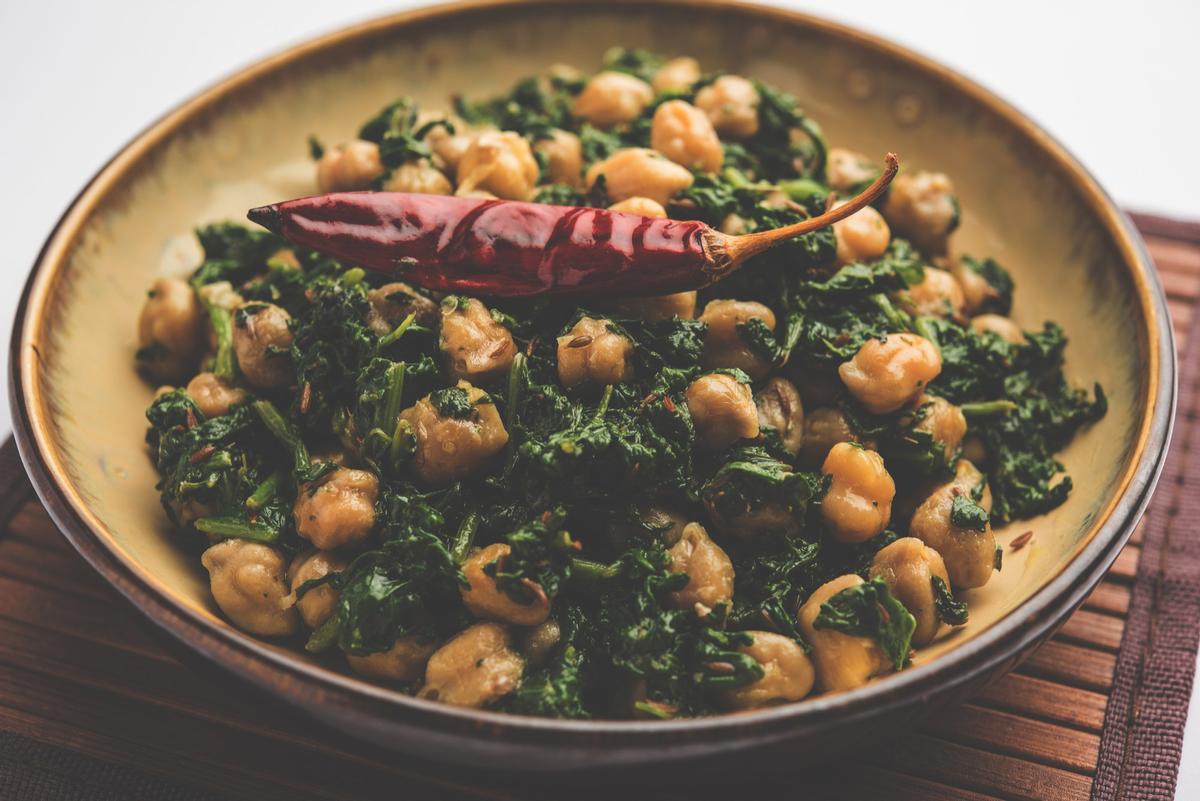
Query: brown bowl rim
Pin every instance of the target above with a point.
(304, 684)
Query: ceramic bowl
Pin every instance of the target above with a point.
(79, 405)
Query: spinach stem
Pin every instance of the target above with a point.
(985, 409)
(283, 431)
(516, 380)
(221, 320)
(899, 320)
(398, 331)
(233, 526)
(264, 492)
(324, 635)
(602, 409)
(923, 328)
(464, 537)
(589, 569)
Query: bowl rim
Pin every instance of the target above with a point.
(304, 683)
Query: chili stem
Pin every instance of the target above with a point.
(739, 248)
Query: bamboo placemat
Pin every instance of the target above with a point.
(93, 707)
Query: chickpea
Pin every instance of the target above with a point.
(724, 345)
(475, 668)
(788, 673)
(887, 374)
(971, 479)
(404, 661)
(261, 339)
(824, 428)
(722, 409)
(975, 452)
(248, 583)
(969, 555)
(449, 148)
(478, 349)
(484, 599)
(349, 167)
(709, 570)
(337, 510)
(846, 169)
(319, 603)
(612, 98)
(734, 225)
(762, 519)
(538, 642)
(999, 325)
(214, 396)
(449, 448)
(908, 566)
(659, 307)
(222, 293)
(420, 177)
(500, 162)
(669, 523)
(592, 352)
(858, 504)
(937, 295)
(169, 330)
(922, 208)
(639, 172)
(977, 292)
(392, 303)
(564, 157)
(862, 236)
(731, 102)
(643, 206)
(677, 75)
(780, 407)
(685, 135)
(944, 421)
(842, 661)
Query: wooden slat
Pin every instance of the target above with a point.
(1108, 597)
(1008, 733)
(871, 782)
(1125, 566)
(1072, 664)
(976, 769)
(1042, 699)
(1086, 627)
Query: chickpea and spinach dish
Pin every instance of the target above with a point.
(610, 507)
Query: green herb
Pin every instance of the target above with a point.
(968, 515)
(452, 402)
(949, 610)
(870, 610)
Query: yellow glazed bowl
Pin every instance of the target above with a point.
(79, 404)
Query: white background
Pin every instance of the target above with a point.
(1117, 83)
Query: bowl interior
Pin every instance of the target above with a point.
(245, 145)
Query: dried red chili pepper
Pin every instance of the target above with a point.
(510, 248)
